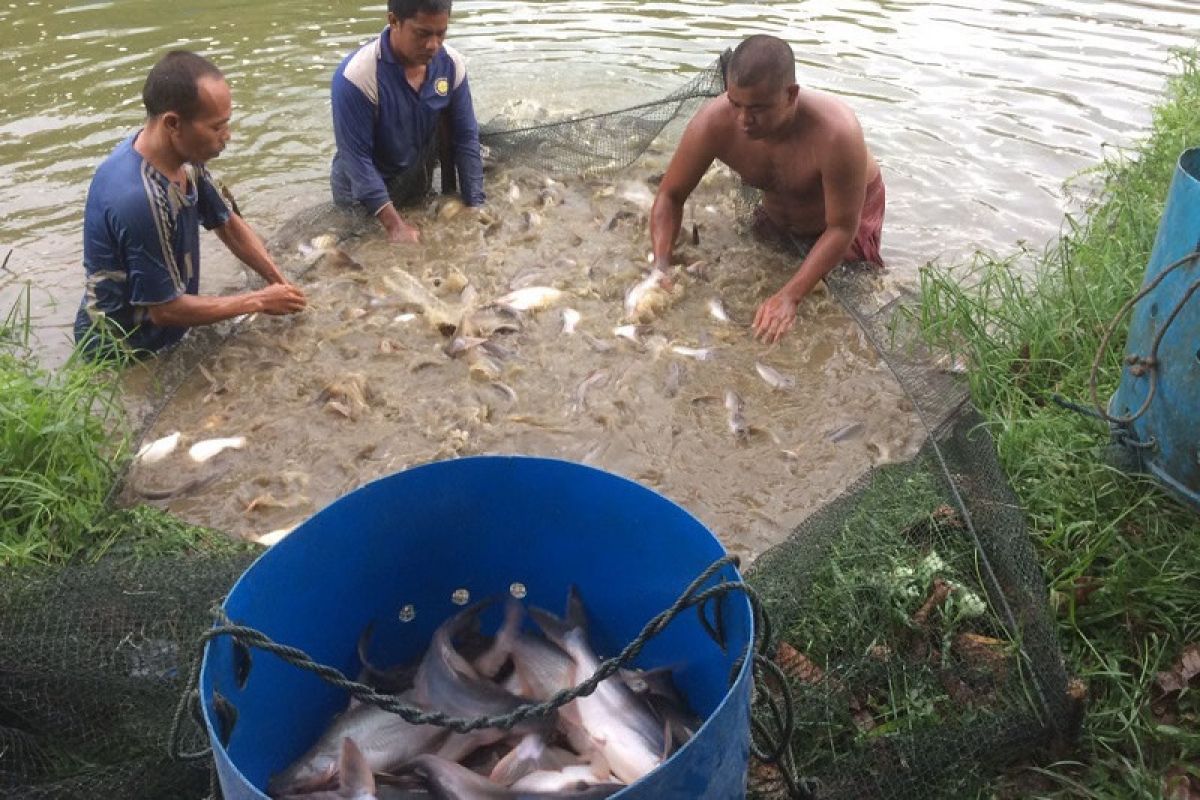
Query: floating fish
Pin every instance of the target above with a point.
(450, 209)
(774, 378)
(845, 432)
(204, 450)
(531, 298)
(737, 417)
(460, 344)
(597, 377)
(647, 297)
(324, 250)
(698, 353)
(599, 345)
(717, 311)
(153, 452)
(571, 319)
(631, 332)
(274, 537)
(410, 291)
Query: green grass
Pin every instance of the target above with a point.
(63, 439)
(1031, 325)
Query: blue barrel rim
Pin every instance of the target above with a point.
(220, 753)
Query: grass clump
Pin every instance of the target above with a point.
(63, 442)
(1120, 555)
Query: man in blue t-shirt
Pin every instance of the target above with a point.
(391, 97)
(141, 225)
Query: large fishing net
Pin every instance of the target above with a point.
(911, 622)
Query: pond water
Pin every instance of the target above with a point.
(978, 113)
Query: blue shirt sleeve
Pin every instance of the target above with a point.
(354, 134)
(466, 144)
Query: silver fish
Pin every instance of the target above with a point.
(698, 353)
(411, 292)
(532, 754)
(622, 727)
(203, 451)
(774, 378)
(385, 740)
(153, 452)
(482, 366)
(490, 320)
(450, 781)
(599, 345)
(737, 418)
(717, 311)
(845, 432)
(597, 377)
(502, 390)
(560, 782)
(531, 298)
(460, 344)
(631, 332)
(355, 779)
(447, 681)
(541, 668)
(646, 298)
(190, 486)
(570, 319)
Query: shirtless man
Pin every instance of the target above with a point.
(803, 149)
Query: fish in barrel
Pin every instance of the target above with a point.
(590, 747)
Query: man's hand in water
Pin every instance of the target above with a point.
(403, 233)
(398, 231)
(282, 298)
(775, 317)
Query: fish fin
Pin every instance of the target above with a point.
(356, 777)
(519, 761)
(364, 640)
(576, 613)
(556, 629)
(495, 657)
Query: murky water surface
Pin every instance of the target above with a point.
(977, 115)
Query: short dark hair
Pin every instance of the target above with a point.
(762, 58)
(171, 84)
(406, 9)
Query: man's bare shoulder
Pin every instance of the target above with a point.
(714, 117)
(832, 113)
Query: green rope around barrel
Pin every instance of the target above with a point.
(770, 743)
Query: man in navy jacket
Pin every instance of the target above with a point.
(390, 98)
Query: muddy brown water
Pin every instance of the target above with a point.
(361, 384)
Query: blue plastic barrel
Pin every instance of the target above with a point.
(480, 524)
(1166, 438)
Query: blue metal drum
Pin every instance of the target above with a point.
(408, 542)
(1166, 436)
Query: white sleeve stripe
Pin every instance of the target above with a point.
(460, 65)
(161, 215)
(360, 71)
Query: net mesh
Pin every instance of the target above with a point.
(913, 625)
